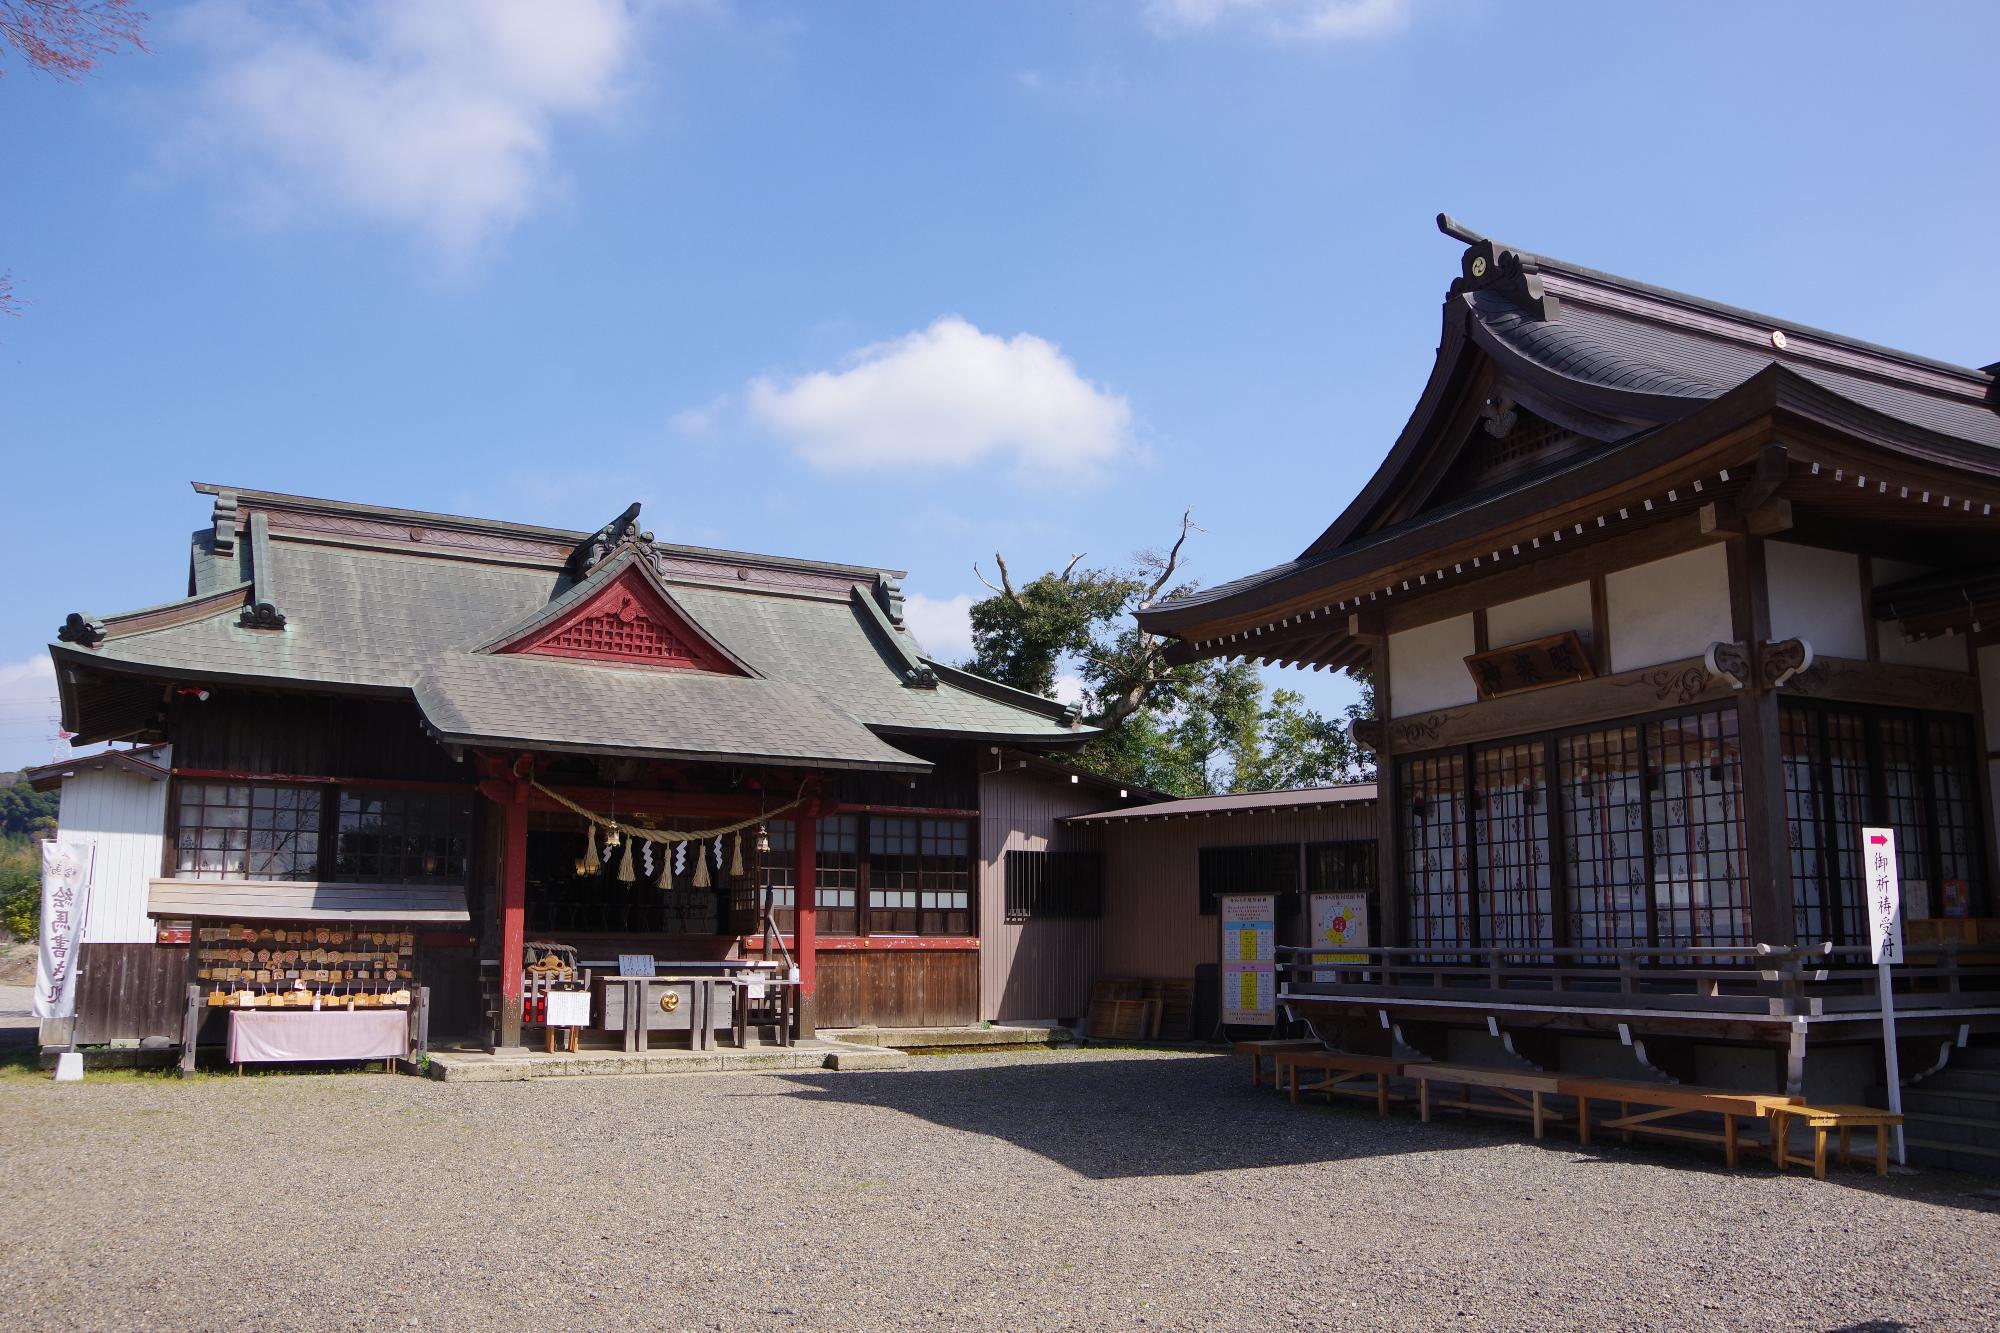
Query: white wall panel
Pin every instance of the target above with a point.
(1668, 609)
(1539, 616)
(1427, 667)
(1816, 596)
(125, 815)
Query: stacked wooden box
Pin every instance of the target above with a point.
(1141, 1009)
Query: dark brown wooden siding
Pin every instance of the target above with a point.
(127, 992)
(901, 988)
(310, 735)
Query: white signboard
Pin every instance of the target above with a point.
(569, 1009)
(1885, 905)
(1339, 921)
(1249, 959)
(66, 866)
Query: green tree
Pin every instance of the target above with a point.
(1188, 729)
(26, 813)
(20, 890)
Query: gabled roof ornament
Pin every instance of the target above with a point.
(599, 546)
(1487, 265)
(81, 630)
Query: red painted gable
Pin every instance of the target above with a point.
(626, 622)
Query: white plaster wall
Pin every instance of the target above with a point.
(1946, 653)
(1816, 596)
(125, 815)
(1427, 667)
(1537, 617)
(1668, 609)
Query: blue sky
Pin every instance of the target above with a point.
(897, 283)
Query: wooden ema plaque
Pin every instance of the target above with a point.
(1537, 664)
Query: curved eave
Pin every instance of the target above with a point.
(1714, 432)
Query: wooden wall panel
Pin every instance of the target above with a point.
(127, 992)
(310, 735)
(1031, 969)
(901, 988)
(1153, 926)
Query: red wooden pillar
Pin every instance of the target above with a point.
(805, 912)
(513, 911)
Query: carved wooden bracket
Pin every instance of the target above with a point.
(1778, 662)
(1730, 661)
(1366, 733)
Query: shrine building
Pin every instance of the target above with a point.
(1664, 602)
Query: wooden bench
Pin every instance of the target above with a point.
(1820, 1119)
(1522, 1091)
(1259, 1049)
(1346, 1075)
(1666, 1101)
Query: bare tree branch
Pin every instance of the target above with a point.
(1004, 592)
(1070, 568)
(1173, 557)
(65, 37)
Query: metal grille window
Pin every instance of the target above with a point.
(1647, 818)
(399, 837)
(1510, 834)
(1846, 767)
(1600, 783)
(1432, 790)
(1054, 884)
(246, 831)
(1695, 790)
(1270, 868)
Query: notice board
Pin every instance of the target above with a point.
(1339, 922)
(1249, 958)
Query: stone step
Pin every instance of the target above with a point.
(1928, 1097)
(1978, 1055)
(1959, 1130)
(1952, 1156)
(1962, 1078)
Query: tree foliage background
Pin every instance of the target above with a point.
(25, 815)
(1189, 730)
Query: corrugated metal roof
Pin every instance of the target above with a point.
(1239, 803)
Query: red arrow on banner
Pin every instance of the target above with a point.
(1878, 838)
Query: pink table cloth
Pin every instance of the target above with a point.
(260, 1035)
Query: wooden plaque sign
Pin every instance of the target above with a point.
(1536, 664)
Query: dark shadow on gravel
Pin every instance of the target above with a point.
(1181, 1115)
(1141, 1117)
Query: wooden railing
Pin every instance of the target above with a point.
(1761, 980)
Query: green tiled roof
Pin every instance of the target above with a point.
(835, 668)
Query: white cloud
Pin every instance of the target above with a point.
(1069, 690)
(1286, 20)
(948, 396)
(943, 625)
(698, 422)
(436, 115)
(29, 713)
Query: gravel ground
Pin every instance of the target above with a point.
(1069, 1190)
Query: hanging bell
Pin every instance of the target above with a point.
(763, 841)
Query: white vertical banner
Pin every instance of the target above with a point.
(1885, 947)
(1885, 896)
(66, 871)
